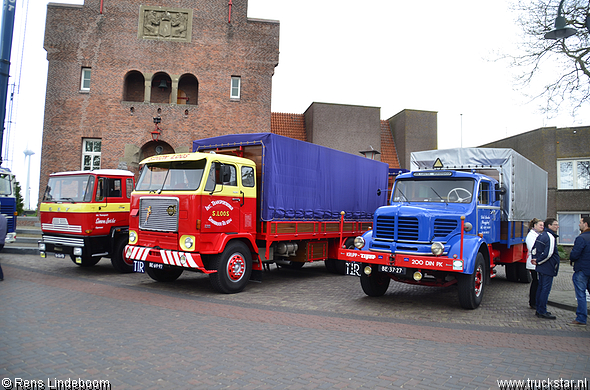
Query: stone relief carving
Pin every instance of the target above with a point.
(160, 23)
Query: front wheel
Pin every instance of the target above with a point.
(165, 275)
(471, 286)
(375, 284)
(118, 260)
(234, 267)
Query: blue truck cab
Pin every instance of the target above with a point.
(453, 224)
(8, 202)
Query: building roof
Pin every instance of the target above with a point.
(293, 126)
(388, 151)
(288, 125)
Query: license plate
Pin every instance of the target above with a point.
(138, 266)
(391, 269)
(60, 255)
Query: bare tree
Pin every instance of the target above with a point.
(567, 60)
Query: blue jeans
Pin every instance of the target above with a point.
(581, 284)
(545, 282)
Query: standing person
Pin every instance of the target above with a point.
(580, 255)
(546, 259)
(3, 228)
(535, 228)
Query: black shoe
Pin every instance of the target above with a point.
(547, 316)
(532, 307)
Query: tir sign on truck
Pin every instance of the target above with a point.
(453, 224)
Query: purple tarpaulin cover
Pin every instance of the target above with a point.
(304, 181)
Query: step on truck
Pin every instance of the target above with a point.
(452, 219)
(239, 202)
(8, 203)
(85, 215)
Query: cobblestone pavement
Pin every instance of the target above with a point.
(298, 329)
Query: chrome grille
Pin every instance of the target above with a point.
(159, 214)
(444, 227)
(407, 228)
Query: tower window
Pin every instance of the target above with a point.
(235, 87)
(85, 80)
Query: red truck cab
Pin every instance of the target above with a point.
(85, 215)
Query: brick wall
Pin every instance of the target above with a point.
(79, 36)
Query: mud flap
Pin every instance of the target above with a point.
(256, 276)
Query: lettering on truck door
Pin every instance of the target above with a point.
(222, 199)
(488, 212)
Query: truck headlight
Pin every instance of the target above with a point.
(132, 237)
(188, 242)
(437, 248)
(359, 242)
(41, 246)
(77, 251)
(468, 226)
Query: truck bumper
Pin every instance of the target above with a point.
(167, 257)
(413, 261)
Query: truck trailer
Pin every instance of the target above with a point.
(241, 201)
(452, 219)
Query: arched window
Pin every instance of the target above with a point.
(134, 87)
(188, 89)
(161, 88)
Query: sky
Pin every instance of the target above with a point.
(426, 55)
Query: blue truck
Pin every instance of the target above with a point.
(8, 202)
(455, 217)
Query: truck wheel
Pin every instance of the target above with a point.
(511, 272)
(87, 261)
(375, 284)
(118, 260)
(166, 275)
(234, 267)
(522, 274)
(471, 286)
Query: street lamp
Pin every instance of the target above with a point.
(561, 31)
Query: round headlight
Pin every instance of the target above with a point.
(468, 226)
(188, 242)
(132, 236)
(437, 248)
(359, 242)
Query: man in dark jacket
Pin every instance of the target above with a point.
(580, 255)
(546, 259)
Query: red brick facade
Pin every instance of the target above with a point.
(126, 69)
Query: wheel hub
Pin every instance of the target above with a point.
(236, 266)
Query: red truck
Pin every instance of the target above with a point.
(85, 215)
(245, 200)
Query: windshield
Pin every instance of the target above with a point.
(5, 187)
(69, 189)
(168, 176)
(433, 190)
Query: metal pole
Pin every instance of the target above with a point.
(5, 49)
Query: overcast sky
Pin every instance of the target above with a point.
(427, 55)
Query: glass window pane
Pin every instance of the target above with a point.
(566, 175)
(96, 162)
(88, 146)
(568, 228)
(583, 168)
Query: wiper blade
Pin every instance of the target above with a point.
(441, 198)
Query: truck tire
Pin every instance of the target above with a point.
(118, 260)
(522, 274)
(511, 272)
(375, 284)
(87, 261)
(234, 267)
(166, 274)
(471, 286)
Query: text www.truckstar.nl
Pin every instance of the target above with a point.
(544, 384)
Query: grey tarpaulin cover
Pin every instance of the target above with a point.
(525, 182)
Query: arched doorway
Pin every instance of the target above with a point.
(153, 148)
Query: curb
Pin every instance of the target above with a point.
(20, 250)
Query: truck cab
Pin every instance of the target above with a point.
(8, 203)
(85, 215)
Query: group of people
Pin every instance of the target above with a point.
(543, 264)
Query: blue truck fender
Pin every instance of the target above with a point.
(471, 246)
